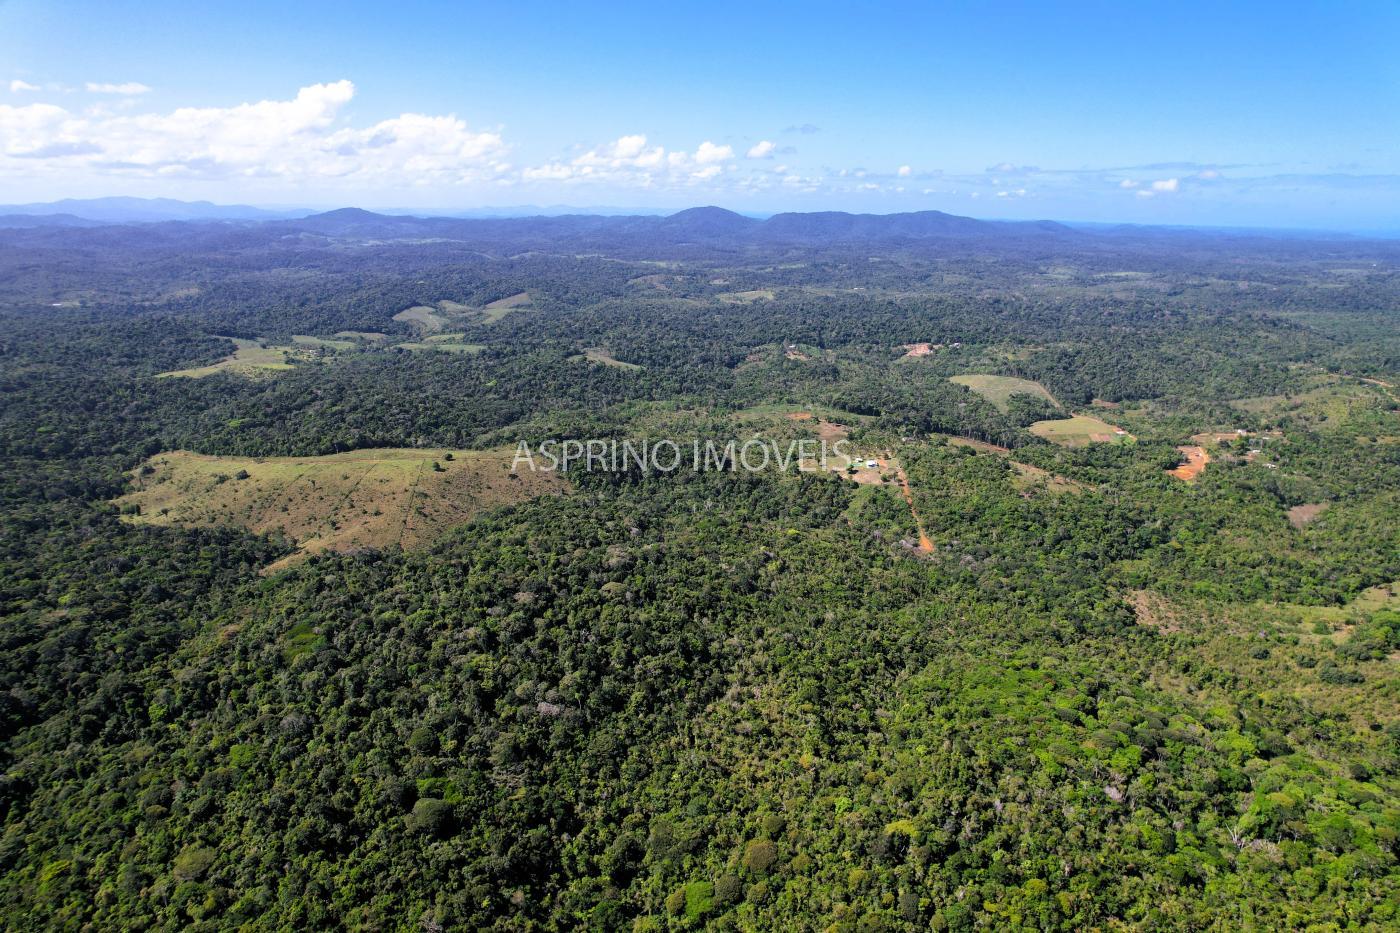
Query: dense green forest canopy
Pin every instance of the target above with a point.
(1104, 696)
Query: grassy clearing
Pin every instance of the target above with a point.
(361, 499)
(1384, 596)
(1026, 478)
(423, 316)
(304, 340)
(1326, 400)
(747, 297)
(250, 358)
(501, 307)
(790, 412)
(604, 356)
(362, 335)
(999, 389)
(449, 343)
(1079, 431)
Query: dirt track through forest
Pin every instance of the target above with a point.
(925, 542)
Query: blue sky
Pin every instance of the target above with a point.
(1260, 114)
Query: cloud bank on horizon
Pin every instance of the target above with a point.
(309, 146)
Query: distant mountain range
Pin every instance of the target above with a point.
(699, 225)
(688, 230)
(135, 210)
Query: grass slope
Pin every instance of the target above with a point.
(361, 499)
(249, 359)
(999, 389)
(1078, 431)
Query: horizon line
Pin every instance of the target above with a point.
(522, 211)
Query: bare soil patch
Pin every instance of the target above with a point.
(1195, 463)
(1154, 611)
(1300, 515)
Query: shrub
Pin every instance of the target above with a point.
(193, 862)
(430, 816)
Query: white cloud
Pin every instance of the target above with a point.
(1146, 194)
(295, 141)
(709, 152)
(17, 86)
(633, 162)
(905, 171)
(127, 88)
(1166, 184)
(761, 150)
(1128, 183)
(1208, 174)
(625, 152)
(629, 147)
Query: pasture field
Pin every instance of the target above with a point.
(1078, 431)
(999, 389)
(360, 499)
(434, 318)
(250, 358)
